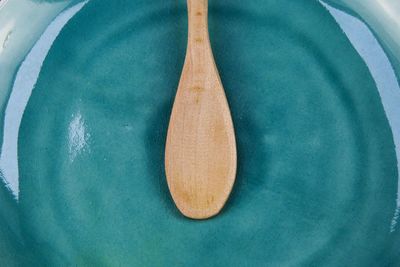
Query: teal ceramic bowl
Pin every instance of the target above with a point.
(86, 89)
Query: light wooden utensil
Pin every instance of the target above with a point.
(200, 154)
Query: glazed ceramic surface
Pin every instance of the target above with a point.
(86, 90)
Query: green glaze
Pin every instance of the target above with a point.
(317, 175)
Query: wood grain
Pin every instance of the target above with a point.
(200, 156)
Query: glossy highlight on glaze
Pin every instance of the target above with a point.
(383, 73)
(318, 174)
(25, 79)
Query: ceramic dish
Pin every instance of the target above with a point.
(86, 89)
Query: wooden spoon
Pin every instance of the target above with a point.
(200, 154)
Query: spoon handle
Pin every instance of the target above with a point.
(198, 22)
(199, 48)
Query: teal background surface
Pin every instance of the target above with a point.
(317, 170)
